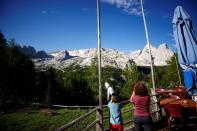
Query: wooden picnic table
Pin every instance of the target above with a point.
(186, 103)
(167, 92)
(179, 108)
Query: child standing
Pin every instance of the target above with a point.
(115, 114)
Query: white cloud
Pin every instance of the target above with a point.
(43, 11)
(129, 6)
(84, 9)
(168, 16)
(87, 9)
(171, 36)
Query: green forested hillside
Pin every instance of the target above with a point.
(21, 83)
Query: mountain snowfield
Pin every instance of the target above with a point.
(111, 57)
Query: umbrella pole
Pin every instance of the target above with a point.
(148, 43)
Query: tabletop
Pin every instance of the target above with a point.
(166, 93)
(184, 102)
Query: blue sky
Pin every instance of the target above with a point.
(72, 24)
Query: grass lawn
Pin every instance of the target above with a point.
(34, 120)
(49, 119)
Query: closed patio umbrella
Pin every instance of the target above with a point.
(186, 44)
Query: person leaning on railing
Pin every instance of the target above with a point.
(141, 100)
(116, 122)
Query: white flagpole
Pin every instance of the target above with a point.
(99, 113)
(154, 107)
(148, 43)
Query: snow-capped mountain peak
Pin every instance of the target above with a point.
(111, 57)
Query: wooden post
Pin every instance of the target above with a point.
(148, 43)
(177, 67)
(99, 126)
(100, 111)
(154, 98)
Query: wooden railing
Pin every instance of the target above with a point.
(84, 124)
(74, 125)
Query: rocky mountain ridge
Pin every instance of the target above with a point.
(111, 57)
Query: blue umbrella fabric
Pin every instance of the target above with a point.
(186, 44)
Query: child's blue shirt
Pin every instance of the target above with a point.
(115, 113)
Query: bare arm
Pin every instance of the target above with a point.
(132, 96)
(108, 95)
